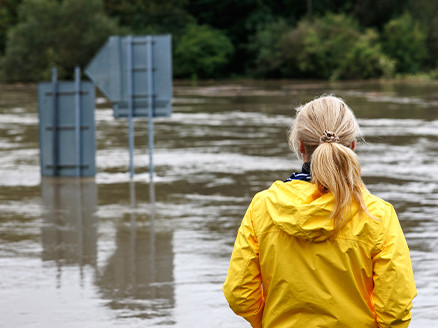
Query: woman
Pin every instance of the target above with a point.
(318, 250)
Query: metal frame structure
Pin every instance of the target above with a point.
(63, 150)
(135, 73)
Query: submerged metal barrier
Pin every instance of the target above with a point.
(67, 127)
(135, 74)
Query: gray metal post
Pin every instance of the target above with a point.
(80, 230)
(130, 107)
(152, 244)
(150, 92)
(55, 122)
(133, 239)
(78, 120)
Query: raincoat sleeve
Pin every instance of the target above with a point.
(394, 286)
(243, 286)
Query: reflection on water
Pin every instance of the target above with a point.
(141, 268)
(105, 253)
(69, 229)
(137, 279)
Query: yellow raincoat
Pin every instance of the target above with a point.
(285, 271)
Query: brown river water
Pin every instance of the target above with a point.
(97, 253)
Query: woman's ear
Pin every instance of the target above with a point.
(301, 147)
(353, 145)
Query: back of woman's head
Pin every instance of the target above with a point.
(327, 129)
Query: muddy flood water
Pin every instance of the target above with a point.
(96, 253)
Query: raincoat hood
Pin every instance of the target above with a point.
(309, 216)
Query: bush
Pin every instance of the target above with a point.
(294, 61)
(52, 33)
(405, 41)
(365, 60)
(316, 49)
(202, 52)
(333, 47)
(266, 47)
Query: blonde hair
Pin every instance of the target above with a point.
(327, 129)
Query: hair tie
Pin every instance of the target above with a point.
(329, 137)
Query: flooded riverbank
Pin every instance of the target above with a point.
(96, 253)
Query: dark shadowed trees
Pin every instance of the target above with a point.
(53, 33)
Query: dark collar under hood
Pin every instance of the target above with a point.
(304, 175)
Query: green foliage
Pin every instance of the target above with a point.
(426, 12)
(365, 60)
(326, 39)
(237, 19)
(8, 18)
(325, 43)
(150, 16)
(432, 43)
(52, 33)
(265, 44)
(201, 52)
(377, 13)
(433, 74)
(405, 41)
(330, 47)
(318, 48)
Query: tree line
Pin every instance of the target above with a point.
(320, 39)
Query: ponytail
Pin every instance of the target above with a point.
(327, 128)
(336, 168)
